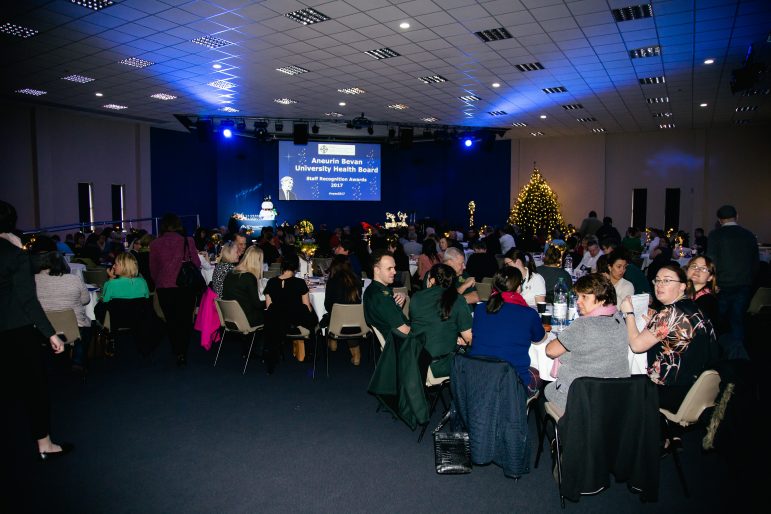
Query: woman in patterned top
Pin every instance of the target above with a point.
(227, 261)
(679, 339)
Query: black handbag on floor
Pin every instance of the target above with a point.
(189, 277)
(452, 450)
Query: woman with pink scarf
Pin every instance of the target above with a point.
(594, 345)
(505, 326)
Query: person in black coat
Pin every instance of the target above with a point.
(481, 263)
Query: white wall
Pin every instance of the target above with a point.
(711, 168)
(65, 148)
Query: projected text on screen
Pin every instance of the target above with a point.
(329, 171)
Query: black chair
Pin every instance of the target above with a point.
(610, 425)
(137, 317)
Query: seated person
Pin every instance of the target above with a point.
(593, 345)
(242, 285)
(427, 258)
(345, 288)
(383, 308)
(442, 314)
(481, 264)
(617, 262)
(58, 289)
(552, 271)
(533, 284)
(226, 262)
(702, 287)
(465, 284)
(588, 262)
(125, 282)
(505, 326)
(288, 306)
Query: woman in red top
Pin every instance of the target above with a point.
(166, 256)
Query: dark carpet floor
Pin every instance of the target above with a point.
(153, 438)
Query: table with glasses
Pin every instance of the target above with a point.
(317, 293)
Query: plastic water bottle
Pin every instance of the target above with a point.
(569, 264)
(572, 308)
(560, 310)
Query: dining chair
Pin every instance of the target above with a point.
(271, 273)
(609, 425)
(65, 323)
(483, 290)
(701, 396)
(487, 280)
(346, 322)
(761, 298)
(435, 387)
(234, 320)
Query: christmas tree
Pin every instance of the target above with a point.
(537, 208)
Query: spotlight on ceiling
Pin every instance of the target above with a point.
(468, 142)
(370, 130)
(315, 128)
(226, 128)
(279, 126)
(261, 129)
(241, 126)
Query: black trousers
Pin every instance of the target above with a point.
(25, 378)
(177, 305)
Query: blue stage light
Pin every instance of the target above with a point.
(468, 142)
(227, 133)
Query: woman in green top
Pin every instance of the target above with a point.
(443, 315)
(124, 281)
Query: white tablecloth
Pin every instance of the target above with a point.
(77, 268)
(682, 261)
(638, 362)
(94, 292)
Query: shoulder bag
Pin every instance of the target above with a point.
(189, 277)
(452, 450)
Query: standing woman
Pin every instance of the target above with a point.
(166, 256)
(533, 284)
(679, 339)
(23, 327)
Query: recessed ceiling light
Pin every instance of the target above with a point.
(497, 113)
(163, 96)
(115, 107)
(598, 130)
(469, 98)
(709, 61)
(216, 66)
(529, 66)
(228, 109)
(702, 105)
(307, 16)
(292, 70)
(17, 30)
(96, 5)
(558, 89)
(430, 120)
(136, 62)
(341, 104)
(756, 92)
(653, 80)
(633, 12)
(660, 100)
(586, 120)
(493, 34)
(333, 114)
(667, 126)
(222, 84)
(80, 79)
(496, 84)
(572, 107)
(542, 116)
(432, 79)
(351, 91)
(519, 124)
(285, 101)
(662, 114)
(404, 25)
(539, 133)
(747, 108)
(33, 92)
(211, 42)
(398, 107)
(100, 95)
(647, 51)
(742, 122)
(382, 53)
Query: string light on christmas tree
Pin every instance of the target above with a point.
(472, 206)
(537, 207)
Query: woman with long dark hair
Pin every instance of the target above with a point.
(533, 284)
(166, 256)
(505, 326)
(427, 258)
(345, 288)
(443, 315)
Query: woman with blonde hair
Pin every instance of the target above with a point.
(226, 262)
(242, 285)
(125, 282)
